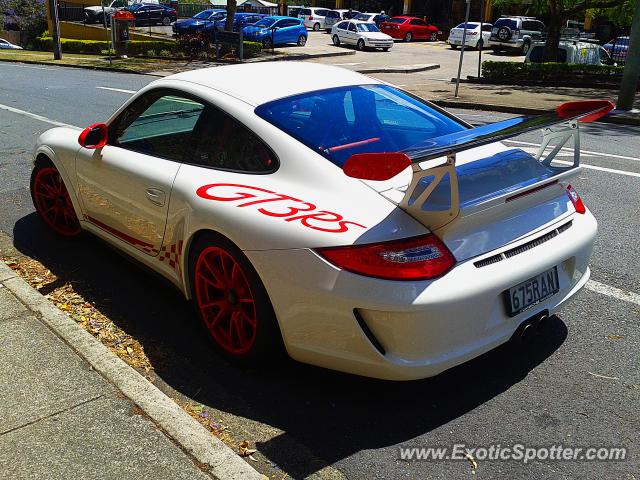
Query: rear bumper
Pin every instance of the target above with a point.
(516, 44)
(424, 327)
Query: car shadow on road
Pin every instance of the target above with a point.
(324, 416)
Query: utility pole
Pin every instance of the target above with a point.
(464, 40)
(631, 73)
(55, 34)
(481, 41)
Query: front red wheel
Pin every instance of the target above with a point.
(52, 201)
(231, 301)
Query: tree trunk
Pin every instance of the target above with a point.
(231, 12)
(553, 39)
(631, 73)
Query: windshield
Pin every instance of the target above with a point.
(367, 27)
(203, 15)
(265, 22)
(339, 122)
(362, 16)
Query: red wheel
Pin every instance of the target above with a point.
(231, 301)
(225, 300)
(52, 201)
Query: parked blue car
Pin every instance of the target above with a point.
(618, 48)
(240, 20)
(201, 22)
(277, 31)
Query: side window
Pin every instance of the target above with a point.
(352, 27)
(225, 143)
(417, 22)
(158, 124)
(343, 25)
(486, 27)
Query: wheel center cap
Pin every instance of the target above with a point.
(61, 202)
(232, 297)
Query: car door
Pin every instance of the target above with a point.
(418, 29)
(341, 31)
(352, 34)
(125, 186)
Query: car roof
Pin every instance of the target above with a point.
(239, 80)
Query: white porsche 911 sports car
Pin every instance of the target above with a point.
(357, 226)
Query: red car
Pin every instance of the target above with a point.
(409, 28)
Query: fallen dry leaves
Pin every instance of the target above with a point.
(63, 296)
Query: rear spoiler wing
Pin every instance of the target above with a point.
(422, 158)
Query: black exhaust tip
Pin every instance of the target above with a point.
(530, 328)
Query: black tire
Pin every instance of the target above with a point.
(267, 43)
(408, 37)
(453, 47)
(504, 34)
(525, 47)
(336, 40)
(316, 27)
(360, 45)
(302, 41)
(166, 21)
(267, 345)
(386, 49)
(496, 49)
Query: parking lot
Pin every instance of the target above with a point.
(576, 384)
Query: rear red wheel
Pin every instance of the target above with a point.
(52, 201)
(231, 300)
(225, 301)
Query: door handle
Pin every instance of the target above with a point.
(155, 196)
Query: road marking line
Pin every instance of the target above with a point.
(585, 165)
(121, 90)
(613, 155)
(34, 116)
(616, 293)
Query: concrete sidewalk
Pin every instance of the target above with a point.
(60, 418)
(520, 99)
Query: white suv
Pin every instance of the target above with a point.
(515, 33)
(314, 18)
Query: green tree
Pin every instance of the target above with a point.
(557, 12)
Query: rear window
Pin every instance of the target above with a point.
(506, 22)
(305, 11)
(362, 16)
(322, 13)
(397, 20)
(332, 14)
(470, 26)
(340, 122)
(537, 55)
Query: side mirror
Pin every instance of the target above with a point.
(94, 136)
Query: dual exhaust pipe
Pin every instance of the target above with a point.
(531, 327)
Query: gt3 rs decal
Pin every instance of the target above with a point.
(291, 209)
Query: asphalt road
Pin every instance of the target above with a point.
(578, 384)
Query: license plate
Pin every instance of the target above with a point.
(532, 291)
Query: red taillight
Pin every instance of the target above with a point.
(310, 17)
(417, 258)
(576, 200)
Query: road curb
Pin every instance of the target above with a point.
(401, 69)
(86, 67)
(616, 118)
(192, 437)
